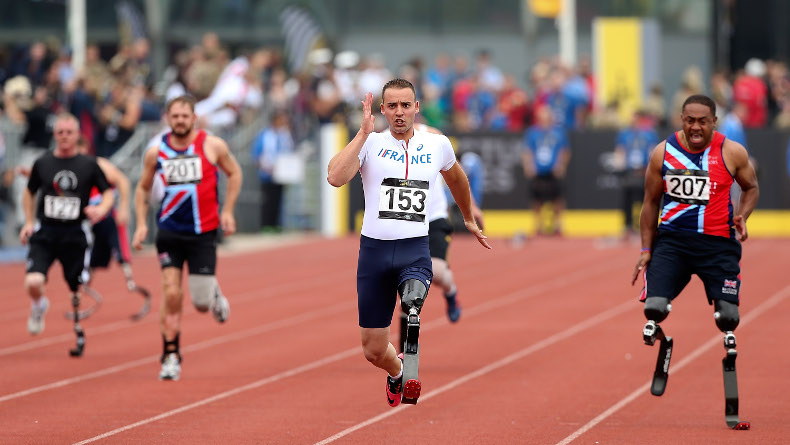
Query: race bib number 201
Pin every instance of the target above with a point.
(182, 170)
(688, 186)
(404, 199)
(66, 208)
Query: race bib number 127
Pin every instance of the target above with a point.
(688, 186)
(404, 199)
(66, 208)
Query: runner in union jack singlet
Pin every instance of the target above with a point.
(187, 161)
(697, 233)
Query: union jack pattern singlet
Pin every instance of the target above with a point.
(190, 203)
(697, 189)
(96, 197)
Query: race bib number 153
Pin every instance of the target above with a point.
(404, 199)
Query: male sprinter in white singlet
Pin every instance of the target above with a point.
(398, 167)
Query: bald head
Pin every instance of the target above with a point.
(67, 132)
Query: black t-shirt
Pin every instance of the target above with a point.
(65, 185)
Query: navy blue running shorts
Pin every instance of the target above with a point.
(199, 251)
(383, 265)
(439, 233)
(678, 255)
(105, 243)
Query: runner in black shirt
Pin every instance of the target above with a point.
(53, 227)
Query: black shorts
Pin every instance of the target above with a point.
(199, 251)
(546, 188)
(383, 266)
(69, 245)
(105, 243)
(678, 255)
(439, 234)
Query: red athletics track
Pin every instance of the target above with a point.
(548, 351)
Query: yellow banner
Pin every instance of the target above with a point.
(618, 64)
(545, 8)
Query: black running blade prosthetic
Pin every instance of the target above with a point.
(411, 361)
(661, 374)
(146, 307)
(80, 347)
(731, 393)
(87, 312)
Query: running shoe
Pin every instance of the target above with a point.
(35, 323)
(171, 367)
(220, 308)
(453, 308)
(395, 387)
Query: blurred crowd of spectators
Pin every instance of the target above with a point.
(108, 97)
(472, 94)
(461, 93)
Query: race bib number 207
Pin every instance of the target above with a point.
(688, 186)
(404, 199)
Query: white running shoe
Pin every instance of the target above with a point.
(171, 367)
(35, 323)
(220, 308)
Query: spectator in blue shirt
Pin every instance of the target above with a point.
(473, 166)
(631, 155)
(568, 100)
(268, 146)
(731, 125)
(545, 159)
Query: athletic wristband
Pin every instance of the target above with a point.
(645, 249)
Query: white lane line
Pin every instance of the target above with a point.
(717, 340)
(307, 316)
(490, 305)
(510, 298)
(62, 338)
(291, 372)
(255, 294)
(518, 355)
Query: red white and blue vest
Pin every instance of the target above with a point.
(696, 189)
(190, 203)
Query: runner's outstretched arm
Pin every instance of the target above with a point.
(227, 162)
(97, 212)
(648, 221)
(116, 178)
(459, 186)
(29, 207)
(746, 177)
(141, 196)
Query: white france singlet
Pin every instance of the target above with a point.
(397, 179)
